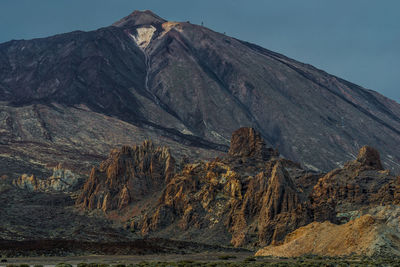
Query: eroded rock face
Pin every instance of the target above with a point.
(247, 142)
(62, 180)
(259, 206)
(248, 198)
(359, 183)
(253, 198)
(282, 209)
(27, 182)
(369, 156)
(243, 197)
(128, 175)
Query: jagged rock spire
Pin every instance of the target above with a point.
(247, 142)
(369, 156)
(129, 174)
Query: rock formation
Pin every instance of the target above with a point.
(369, 157)
(62, 180)
(250, 197)
(246, 142)
(374, 234)
(128, 175)
(359, 183)
(245, 198)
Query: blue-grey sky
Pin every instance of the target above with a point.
(358, 40)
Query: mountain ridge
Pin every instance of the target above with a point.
(174, 87)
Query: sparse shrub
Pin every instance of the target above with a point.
(264, 257)
(63, 265)
(92, 264)
(142, 264)
(310, 256)
(226, 257)
(250, 259)
(185, 263)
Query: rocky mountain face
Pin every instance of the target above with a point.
(360, 183)
(249, 197)
(230, 196)
(128, 175)
(246, 142)
(70, 98)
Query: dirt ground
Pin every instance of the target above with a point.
(128, 259)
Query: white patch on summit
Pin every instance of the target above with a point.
(143, 36)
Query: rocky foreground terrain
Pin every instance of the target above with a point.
(248, 198)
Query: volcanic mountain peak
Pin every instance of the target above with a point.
(170, 93)
(137, 18)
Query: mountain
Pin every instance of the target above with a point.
(70, 98)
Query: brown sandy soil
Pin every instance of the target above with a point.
(371, 234)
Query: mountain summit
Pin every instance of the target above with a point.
(72, 97)
(137, 18)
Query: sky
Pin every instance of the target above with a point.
(358, 40)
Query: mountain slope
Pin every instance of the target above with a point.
(182, 84)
